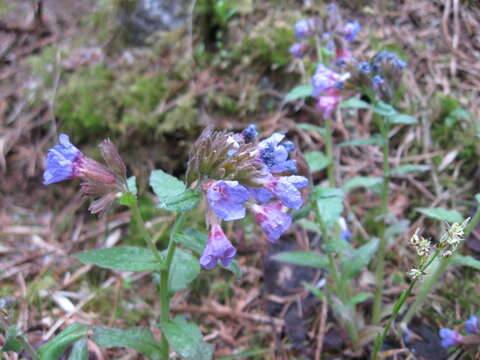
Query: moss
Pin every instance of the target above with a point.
(85, 104)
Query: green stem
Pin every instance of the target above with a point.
(339, 285)
(143, 228)
(164, 277)
(433, 276)
(329, 151)
(380, 269)
(397, 307)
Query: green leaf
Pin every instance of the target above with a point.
(233, 268)
(361, 181)
(354, 103)
(373, 140)
(384, 109)
(138, 338)
(12, 342)
(335, 244)
(359, 258)
(165, 185)
(466, 260)
(315, 291)
(127, 199)
(329, 204)
(402, 119)
(186, 339)
(442, 214)
(310, 226)
(311, 127)
(316, 160)
(298, 92)
(303, 258)
(132, 185)
(171, 192)
(477, 198)
(409, 169)
(193, 239)
(185, 268)
(182, 202)
(125, 258)
(55, 347)
(79, 350)
(359, 298)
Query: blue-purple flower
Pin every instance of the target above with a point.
(218, 248)
(226, 199)
(471, 325)
(285, 188)
(449, 337)
(249, 133)
(324, 79)
(350, 30)
(275, 155)
(273, 221)
(304, 28)
(63, 161)
(261, 194)
(298, 50)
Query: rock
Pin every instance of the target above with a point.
(142, 18)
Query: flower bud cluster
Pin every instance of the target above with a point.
(421, 245)
(329, 31)
(65, 161)
(451, 337)
(380, 76)
(236, 173)
(453, 237)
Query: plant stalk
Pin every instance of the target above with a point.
(380, 269)
(329, 151)
(143, 228)
(434, 275)
(164, 290)
(397, 307)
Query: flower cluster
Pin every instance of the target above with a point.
(451, 337)
(329, 31)
(421, 245)
(453, 237)
(236, 173)
(65, 161)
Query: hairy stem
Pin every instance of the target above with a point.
(329, 151)
(380, 269)
(143, 228)
(164, 277)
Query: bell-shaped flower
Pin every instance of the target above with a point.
(226, 199)
(218, 248)
(350, 30)
(471, 325)
(63, 161)
(323, 79)
(450, 337)
(304, 28)
(298, 49)
(285, 188)
(273, 221)
(328, 102)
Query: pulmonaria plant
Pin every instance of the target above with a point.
(237, 173)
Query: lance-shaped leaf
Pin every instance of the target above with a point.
(184, 269)
(172, 192)
(125, 258)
